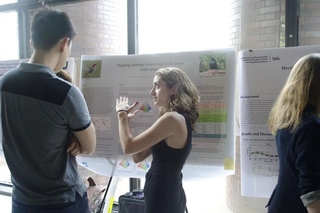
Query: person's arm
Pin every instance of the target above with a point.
(314, 207)
(311, 201)
(307, 149)
(166, 126)
(74, 147)
(140, 156)
(87, 139)
(169, 124)
(76, 114)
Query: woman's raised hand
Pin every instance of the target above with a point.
(122, 105)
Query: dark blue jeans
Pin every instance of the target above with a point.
(81, 205)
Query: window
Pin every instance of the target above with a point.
(171, 26)
(9, 39)
(3, 2)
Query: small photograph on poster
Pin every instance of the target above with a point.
(91, 68)
(212, 64)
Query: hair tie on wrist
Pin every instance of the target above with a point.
(122, 110)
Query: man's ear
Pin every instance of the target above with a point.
(64, 44)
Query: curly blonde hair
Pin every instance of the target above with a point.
(186, 97)
(300, 91)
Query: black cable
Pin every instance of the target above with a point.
(104, 196)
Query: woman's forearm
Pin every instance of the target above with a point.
(125, 132)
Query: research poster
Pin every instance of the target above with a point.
(11, 64)
(104, 78)
(263, 73)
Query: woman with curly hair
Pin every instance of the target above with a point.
(168, 139)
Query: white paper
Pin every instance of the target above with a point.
(263, 73)
(9, 64)
(104, 78)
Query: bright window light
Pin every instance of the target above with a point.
(9, 39)
(3, 2)
(179, 25)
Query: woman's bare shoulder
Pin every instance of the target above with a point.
(174, 117)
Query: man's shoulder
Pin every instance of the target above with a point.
(8, 77)
(10, 72)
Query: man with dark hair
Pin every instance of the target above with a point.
(40, 114)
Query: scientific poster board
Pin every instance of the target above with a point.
(263, 73)
(104, 78)
(11, 64)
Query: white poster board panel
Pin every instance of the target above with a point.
(263, 73)
(106, 77)
(9, 64)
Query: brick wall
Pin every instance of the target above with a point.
(101, 27)
(260, 23)
(235, 27)
(309, 23)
